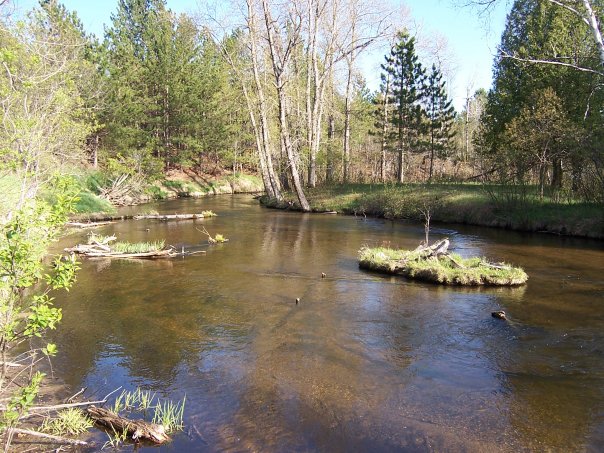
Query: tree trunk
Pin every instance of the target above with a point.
(592, 22)
(291, 157)
(347, 110)
(385, 129)
(279, 60)
(95, 155)
(331, 126)
(311, 88)
(265, 148)
(400, 177)
(557, 174)
(431, 154)
(268, 187)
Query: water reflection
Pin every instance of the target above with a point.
(364, 362)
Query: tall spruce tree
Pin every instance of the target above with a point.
(406, 76)
(440, 115)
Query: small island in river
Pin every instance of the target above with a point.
(436, 264)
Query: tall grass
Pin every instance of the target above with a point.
(170, 415)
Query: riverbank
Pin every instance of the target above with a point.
(176, 184)
(471, 204)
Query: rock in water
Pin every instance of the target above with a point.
(499, 314)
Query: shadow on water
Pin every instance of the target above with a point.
(364, 362)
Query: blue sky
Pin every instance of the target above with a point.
(471, 40)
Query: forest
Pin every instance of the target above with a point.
(278, 92)
(269, 96)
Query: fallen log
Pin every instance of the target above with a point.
(87, 224)
(138, 430)
(110, 218)
(93, 252)
(169, 216)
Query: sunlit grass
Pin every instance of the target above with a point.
(170, 415)
(138, 247)
(71, 422)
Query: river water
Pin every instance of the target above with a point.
(364, 362)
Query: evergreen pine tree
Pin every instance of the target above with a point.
(440, 115)
(406, 91)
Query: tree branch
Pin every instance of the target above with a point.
(57, 439)
(552, 62)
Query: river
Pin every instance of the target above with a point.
(364, 362)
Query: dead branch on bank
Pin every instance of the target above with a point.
(54, 439)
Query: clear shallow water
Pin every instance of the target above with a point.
(364, 362)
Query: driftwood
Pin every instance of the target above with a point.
(94, 251)
(138, 430)
(436, 249)
(87, 224)
(54, 439)
(99, 220)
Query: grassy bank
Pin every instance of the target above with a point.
(176, 184)
(473, 204)
(190, 184)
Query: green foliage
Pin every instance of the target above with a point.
(115, 439)
(26, 307)
(171, 97)
(67, 422)
(21, 401)
(531, 102)
(45, 119)
(219, 238)
(406, 76)
(440, 114)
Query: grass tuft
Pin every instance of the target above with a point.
(170, 415)
(138, 247)
(72, 422)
